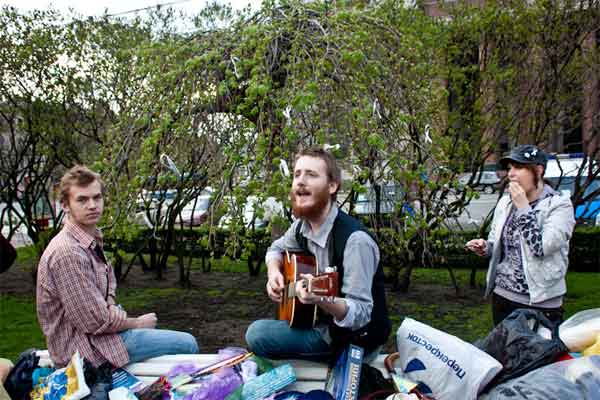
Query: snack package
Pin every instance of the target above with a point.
(63, 384)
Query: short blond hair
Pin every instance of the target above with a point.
(79, 175)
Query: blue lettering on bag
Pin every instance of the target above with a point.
(437, 353)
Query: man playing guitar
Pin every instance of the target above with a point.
(359, 313)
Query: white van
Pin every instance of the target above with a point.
(570, 164)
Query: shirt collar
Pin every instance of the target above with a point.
(547, 191)
(320, 237)
(84, 238)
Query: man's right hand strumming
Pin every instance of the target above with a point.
(274, 281)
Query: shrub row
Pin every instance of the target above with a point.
(447, 246)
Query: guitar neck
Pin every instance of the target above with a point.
(323, 285)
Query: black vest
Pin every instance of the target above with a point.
(377, 331)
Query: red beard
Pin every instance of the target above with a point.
(313, 210)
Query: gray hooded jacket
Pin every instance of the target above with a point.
(545, 275)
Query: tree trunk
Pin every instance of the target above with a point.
(254, 263)
(404, 279)
(454, 282)
(472, 278)
(118, 265)
(180, 250)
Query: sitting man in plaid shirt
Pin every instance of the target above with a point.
(76, 286)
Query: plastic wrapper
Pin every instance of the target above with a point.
(64, 384)
(577, 379)
(217, 386)
(19, 381)
(39, 374)
(121, 393)
(518, 345)
(580, 331)
(311, 395)
(593, 349)
(268, 383)
(156, 391)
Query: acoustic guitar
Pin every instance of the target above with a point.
(291, 309)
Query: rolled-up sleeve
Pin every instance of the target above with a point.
(84, 303)
(361, 258)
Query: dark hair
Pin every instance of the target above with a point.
(334, 174)
(79, 175)
(532, 169)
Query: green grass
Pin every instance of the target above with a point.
(583, 292)
(468, 318)
(27, 255)
(20, 329)
(140, 298)
(471, 320)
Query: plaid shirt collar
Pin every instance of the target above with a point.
(85, 239)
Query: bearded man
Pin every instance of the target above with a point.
(359, 313)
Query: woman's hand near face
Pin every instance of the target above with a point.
(518, 195)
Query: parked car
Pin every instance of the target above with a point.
(365, 203)
(487, 181)
(563, 179)
(590, 210)
(194, 213)
(271, 207)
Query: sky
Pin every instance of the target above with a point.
(98, 7)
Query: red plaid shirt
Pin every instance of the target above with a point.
(76, 300)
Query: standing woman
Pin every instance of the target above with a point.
(528, 244)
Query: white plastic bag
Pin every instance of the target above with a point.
(580, 331)
(444, 366)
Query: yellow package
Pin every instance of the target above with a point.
(593, 349)
(64, 384)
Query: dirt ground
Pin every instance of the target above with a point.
(220, 306)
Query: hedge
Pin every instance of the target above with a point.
(448, 246)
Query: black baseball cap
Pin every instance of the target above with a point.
(526, 154)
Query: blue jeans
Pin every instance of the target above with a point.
(275, 339)
(147, 343)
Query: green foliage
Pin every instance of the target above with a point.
(27, 255)
(410, 100)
